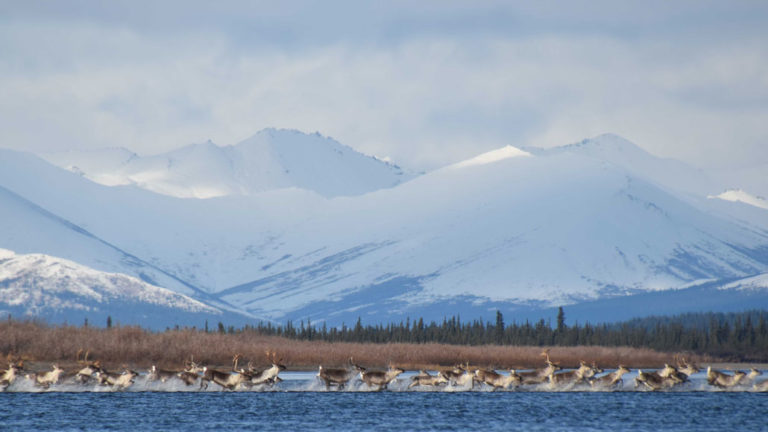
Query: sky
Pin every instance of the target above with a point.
(423, 83)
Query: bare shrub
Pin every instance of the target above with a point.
(140, 348)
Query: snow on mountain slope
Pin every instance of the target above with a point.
(42, 285)
(547, 229)
(271, 159)
(492, 156)
(753, 283)
(28, 228)
(669, 173)
(102, 164)
(36, 280)
(738, 195)
(555, 229)
(203, 243)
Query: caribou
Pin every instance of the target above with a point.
(10, 374)
(538, 376)
(191, 372)
(118, 381)
(751, 376)
(574, 377)
(497, 380)
(610, 380)
(761, 386)
(338, 376)
(46, 379)
(452, 375)
(88, 369)
(460, 375)
(723, 380)
(681, 373)
(664, 378)
(162, 375)
(379, 379)
(226, 380)
(266, 376)
(425, 379)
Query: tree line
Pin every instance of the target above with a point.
(739, 336)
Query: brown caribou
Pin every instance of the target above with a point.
(338, 376)
(265, 376)
(15, 366)
(664, 378)
(453, 374)
(156, 374)
(460, 375)
(574, 377)
(723, 380)
(379, 379)
(88, 368)
(610, 380)
(226, 380)
(761, 385)
(46, 379)
(683, 371)
(425, 379)
(118, 381)
(538, 376)
(497, 380)
(191, 372)
(751, 377)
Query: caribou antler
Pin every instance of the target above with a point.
(235, 359)
(545, 353)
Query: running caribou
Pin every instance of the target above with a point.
(574, 377)
(379, 379)
(15, 366)
(497, 380)
(425, 379)
(46, 379)
(338, 376)
(88, 369)
(538, 376)
(723, 380)
(610, 380)
(226, 380)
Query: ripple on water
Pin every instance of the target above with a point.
(420, 411)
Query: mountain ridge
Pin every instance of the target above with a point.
(61, 290)
(270, 159)
(508, 229)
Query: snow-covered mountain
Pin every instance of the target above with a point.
(271, 159)
(519, 230)
(670, 174)
(526, 231)
(34, 285)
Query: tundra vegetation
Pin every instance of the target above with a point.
(412, 344)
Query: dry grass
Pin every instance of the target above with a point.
(140, 348)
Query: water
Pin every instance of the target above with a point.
(300, 403)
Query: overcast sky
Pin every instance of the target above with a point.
(425, 83)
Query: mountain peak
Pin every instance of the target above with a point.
(492, 156)
(607, 142)
(270, 159)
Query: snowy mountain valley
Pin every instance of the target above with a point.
(290, 226)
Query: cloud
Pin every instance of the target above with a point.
(426, 87)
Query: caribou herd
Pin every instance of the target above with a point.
(551, 376)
